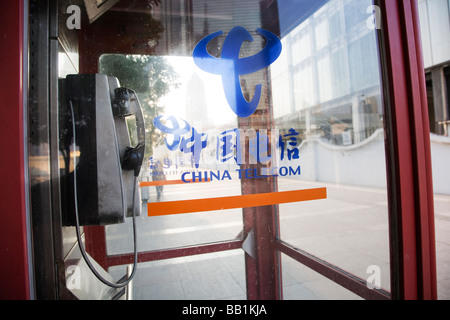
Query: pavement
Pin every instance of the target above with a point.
(442, 227)
(348, 229)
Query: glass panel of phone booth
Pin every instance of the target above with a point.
(331, 61)
(318, 125)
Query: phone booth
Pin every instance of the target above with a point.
(260, 150)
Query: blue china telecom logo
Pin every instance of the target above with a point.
(231, 67)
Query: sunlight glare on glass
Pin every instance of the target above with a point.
(199, 95)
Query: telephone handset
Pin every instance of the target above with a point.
(102, 188)
(126, 103)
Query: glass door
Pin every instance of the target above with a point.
(327, 90)
(265, 167)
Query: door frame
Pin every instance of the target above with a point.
(410, 189)
(411, 202)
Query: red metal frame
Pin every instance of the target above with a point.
(337, 275)
(14, 272)
(147, 256)
(413, 233)
(425, 181)
(263, 271)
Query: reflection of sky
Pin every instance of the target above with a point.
(293, 12)
(209, 92)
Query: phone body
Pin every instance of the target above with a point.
(100, 145)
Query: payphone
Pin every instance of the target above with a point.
(102, 131)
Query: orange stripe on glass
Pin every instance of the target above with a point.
(245, 201)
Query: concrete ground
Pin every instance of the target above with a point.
(348, 229)
(442, 215)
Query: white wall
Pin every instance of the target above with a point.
(440, 153)
(364, 164)
(435, 30)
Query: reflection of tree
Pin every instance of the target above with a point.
(152, 77)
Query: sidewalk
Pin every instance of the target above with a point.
(442, 220)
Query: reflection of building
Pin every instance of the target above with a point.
(196, 108)
(328, 75)
(330, 67)
(435, 29)
(187, 22)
